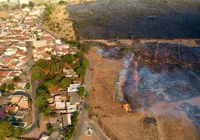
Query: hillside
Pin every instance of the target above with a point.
(107, 19)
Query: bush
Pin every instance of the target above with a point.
(10, 87)
(49, 128)
(81, 91)
(27, 87)
(62, 2)
(3, 87)
(16, 79)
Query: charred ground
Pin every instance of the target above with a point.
(107, 19)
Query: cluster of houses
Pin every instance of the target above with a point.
(15, 109)
(65, 103)
(22, 41)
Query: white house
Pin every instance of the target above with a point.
(73, 87)
(10, 51)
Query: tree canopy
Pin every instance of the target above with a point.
(10, 87)
(65, 82)
(84, 62)
(37, 73)
(7, 130)
(41, 101)
(41, 63)
(27, 87)
(16, 79)
(3, 87)
(81, 91)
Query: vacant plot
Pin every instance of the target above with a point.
(5, 14)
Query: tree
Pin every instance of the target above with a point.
(6, 129)
(49, 128)
(24, 5)
(79, 54)
(69, 58)
(41, 63)
(31, 4)
(84, 63)
(81, 72)
(17, 79)
(10, 87)
(81, 91)
(41, 101)
(17, 132)
(3, 87)
(27, 87)
(66, 58)
(62, 2)
(54, 67)
(47, 111)
(50, 83)
(58, 78)
(66, 82)
(37, 73)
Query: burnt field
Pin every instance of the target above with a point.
(107, 19)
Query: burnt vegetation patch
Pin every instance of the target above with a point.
(107, 19)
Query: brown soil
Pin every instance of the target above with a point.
(6, 14)
(122, 125)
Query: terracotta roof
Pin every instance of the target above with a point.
(5, 73)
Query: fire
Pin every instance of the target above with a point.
(126, 107)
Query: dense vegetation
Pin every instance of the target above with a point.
(50, 74)
(7, 130)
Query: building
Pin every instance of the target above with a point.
(71, 108)
(20, 115)
(74, 98)
(73, 87)
(66, 120)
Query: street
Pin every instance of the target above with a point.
(84, 121)
(36, 115)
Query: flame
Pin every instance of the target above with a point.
(126, 107)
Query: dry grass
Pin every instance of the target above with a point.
(5, 14)
(59, 23)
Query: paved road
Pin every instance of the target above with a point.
(35, 113)
(84, 121)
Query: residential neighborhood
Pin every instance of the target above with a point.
(24, 45)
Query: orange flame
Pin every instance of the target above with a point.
(126, 107)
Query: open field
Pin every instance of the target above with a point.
(5, 14)
(106, 19)
(172, 122)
